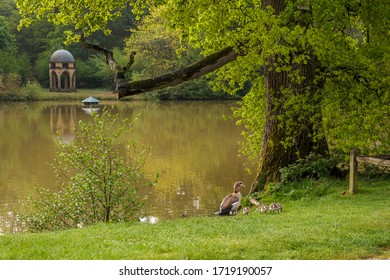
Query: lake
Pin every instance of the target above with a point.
(194, 149)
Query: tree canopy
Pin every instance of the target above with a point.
(86, 17)
(326, 72)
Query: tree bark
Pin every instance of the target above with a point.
(275, 153)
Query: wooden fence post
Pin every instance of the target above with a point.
(353, 171)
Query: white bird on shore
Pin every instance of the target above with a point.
(148, 219)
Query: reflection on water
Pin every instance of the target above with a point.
(63, 121)
(91, 111)
(194, 151)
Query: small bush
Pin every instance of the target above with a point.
(313, 166)
(32, 90)
(373, 172)
(306, 178)
(304, 189)
(100, 177)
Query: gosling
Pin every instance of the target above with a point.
(263, 208)
(275, 207)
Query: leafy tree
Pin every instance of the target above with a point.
(156, 45)
(41, 39)
(102, 178)
(9, 11)
(7, 40)
(306, 62)
(14, 64)
(159, 51)
(318, 69)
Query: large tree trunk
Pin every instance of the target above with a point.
(276, 153)
(286, 141)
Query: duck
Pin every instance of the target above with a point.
(231, 202)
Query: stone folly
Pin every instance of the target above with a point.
(62, 71)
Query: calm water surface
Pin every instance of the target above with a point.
(194, 150)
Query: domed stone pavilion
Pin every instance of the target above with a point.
(62, 71)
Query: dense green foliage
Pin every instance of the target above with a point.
(14, 67)
(348, 39)
(159, 51)
(313, 166)
(102, 180)
(6, 38)
(333, 227)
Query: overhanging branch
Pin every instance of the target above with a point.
(107, 53)
(190, 72)
(193, 71)
(110, 60)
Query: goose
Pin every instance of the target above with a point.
(231, 202)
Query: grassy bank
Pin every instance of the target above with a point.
(81, 94)
(336, 226)
(33, 92)
(36, 93)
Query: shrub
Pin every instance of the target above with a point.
(102, 177)
(304, 189)
(31, 90)
(373, 172)
(16, 64)
(313, 166)
(10, 85)
(306, 178)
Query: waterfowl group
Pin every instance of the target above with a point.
(274, 207)
(231, 203)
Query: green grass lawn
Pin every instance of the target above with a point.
(333, 227)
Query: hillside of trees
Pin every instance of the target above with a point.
(25, 54)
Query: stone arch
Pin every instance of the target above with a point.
(65, 80)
